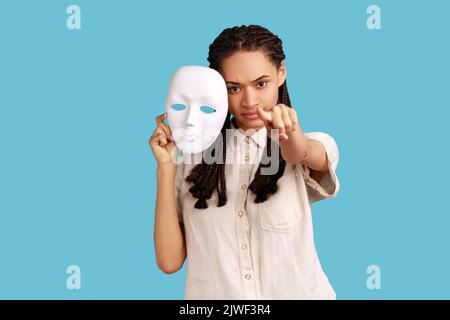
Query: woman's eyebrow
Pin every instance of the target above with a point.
(258, 79)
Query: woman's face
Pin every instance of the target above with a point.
(252, 81)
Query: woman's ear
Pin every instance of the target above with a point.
(281, 73)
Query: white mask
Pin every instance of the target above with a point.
(196, 105)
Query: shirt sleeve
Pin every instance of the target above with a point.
(178, 201)
(328, 186)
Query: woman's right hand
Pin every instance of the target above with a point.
(162, 144)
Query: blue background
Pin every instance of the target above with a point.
(77, 107)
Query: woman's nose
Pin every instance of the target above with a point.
(250, 98)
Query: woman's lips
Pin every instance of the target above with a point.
(251, 115)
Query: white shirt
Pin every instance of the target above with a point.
(248, 250)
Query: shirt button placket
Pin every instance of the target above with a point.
(247, 271)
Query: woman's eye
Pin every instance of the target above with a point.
(178, 106)
(207, 109)
(262, 84)
(234, 89)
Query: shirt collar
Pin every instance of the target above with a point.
(258, 136)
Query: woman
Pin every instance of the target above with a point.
(245, 234)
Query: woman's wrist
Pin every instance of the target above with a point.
(166, 168)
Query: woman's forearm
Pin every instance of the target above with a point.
(299, 149)
(169, 239)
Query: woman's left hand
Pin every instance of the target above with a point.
(280, 117)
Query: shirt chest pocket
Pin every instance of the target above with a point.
(278, 212)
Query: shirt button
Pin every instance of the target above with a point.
(244, 246)
(247, 139)
(240, 213)
(243, 186)
(246, 158)
(248, 276)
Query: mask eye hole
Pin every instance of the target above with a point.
(207, 109)
(178, 106)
